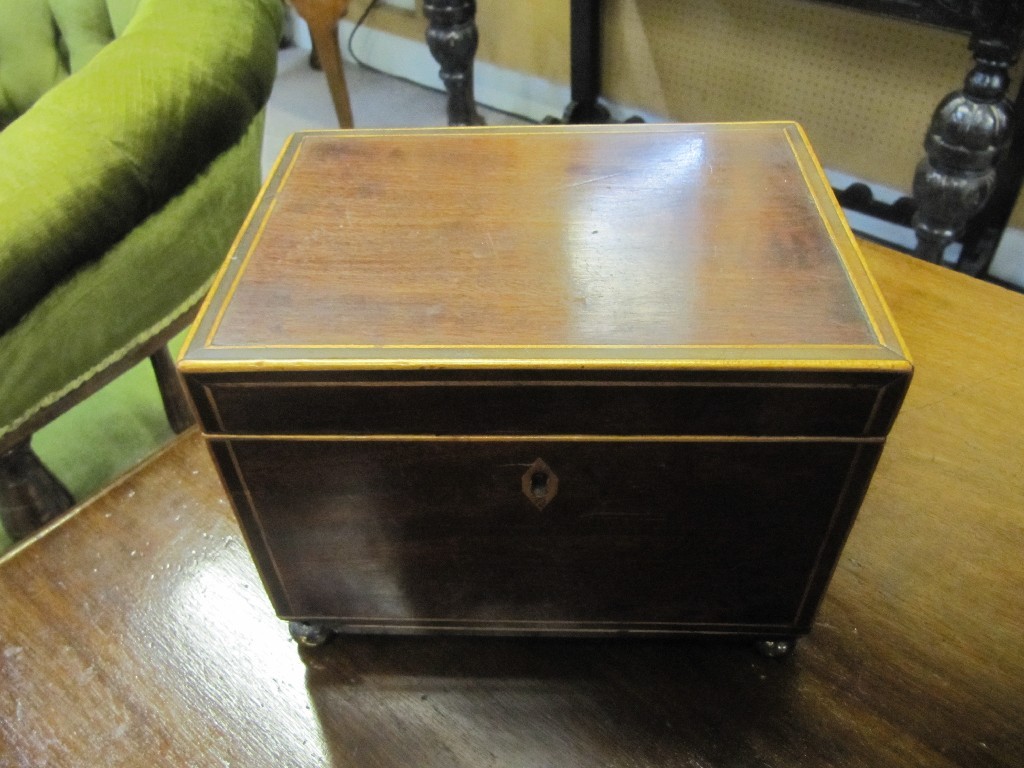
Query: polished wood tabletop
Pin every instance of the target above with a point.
(135, 631)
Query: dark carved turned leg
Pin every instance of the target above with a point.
(179, 414)
(968, 134)
(30, 495)
(985, 230)
(452, 38)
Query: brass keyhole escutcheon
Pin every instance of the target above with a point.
(540, 484)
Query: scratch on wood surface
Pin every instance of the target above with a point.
(594, 180)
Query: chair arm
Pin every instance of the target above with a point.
(113, 143)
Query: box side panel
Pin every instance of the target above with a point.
(203, 402)
(889, 402)
(854, 489)
(237, 487)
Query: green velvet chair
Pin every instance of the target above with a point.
(130, 135)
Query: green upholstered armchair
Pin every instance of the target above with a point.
(130, 136)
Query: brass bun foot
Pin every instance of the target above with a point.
(775, 649)
(308, 635)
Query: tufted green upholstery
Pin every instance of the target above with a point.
(131, 127)
(42, 42)
(129, 155)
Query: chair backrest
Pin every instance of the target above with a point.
(43, 41)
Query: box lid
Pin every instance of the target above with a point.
(635, 246)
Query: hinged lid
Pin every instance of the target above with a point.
(636, 246)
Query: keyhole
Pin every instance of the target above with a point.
(539, 485)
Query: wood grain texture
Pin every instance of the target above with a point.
(136, 632)
(554, 239)
(664, 403)
(428, 536)
(652, 241)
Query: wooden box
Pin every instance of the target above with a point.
(551, 380)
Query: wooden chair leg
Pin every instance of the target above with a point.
(322, 17)
(179, 412)
(30, 495)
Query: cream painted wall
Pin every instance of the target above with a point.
(530, 37)
(863, 86)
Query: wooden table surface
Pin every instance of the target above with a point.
(135, 632)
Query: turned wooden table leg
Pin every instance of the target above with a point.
(968, 134)
(30, 495)
(322, 17)
(452, 38)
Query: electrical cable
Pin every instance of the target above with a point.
(359, 22)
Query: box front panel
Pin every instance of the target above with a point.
(548, 534)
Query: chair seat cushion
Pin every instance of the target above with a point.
(110, 145)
